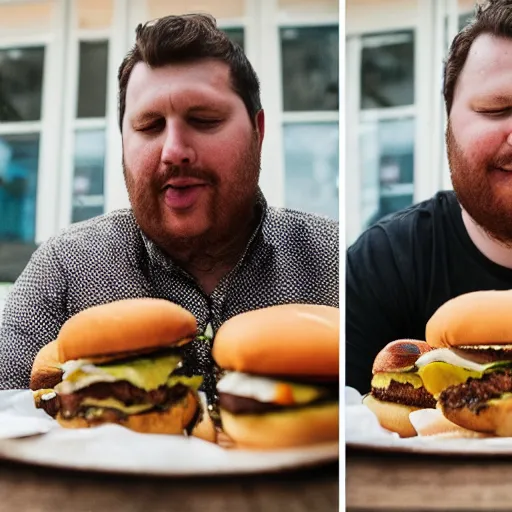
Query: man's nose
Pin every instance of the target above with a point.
(177, 148)
(509, 138)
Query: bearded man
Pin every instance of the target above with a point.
(199, 232)
(403, 268)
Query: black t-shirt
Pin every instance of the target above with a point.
(401, 270)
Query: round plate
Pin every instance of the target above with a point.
(115, 449)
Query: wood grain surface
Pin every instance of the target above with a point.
(35, 489)
(392, 482)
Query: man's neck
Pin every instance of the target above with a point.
(208, 261)
(492, 249)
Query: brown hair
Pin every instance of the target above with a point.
(494, 17)
(187, 38)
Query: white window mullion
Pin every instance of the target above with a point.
(353, 175)
(314, 116)
(69, 102)
(272, 179)
(48, 185)
(115, 192)
(21, 127)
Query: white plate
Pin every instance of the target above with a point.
(115, 449)
(29, 435)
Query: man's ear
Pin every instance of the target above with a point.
(260, 125)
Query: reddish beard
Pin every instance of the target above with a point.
(230, 217)
(475, 194)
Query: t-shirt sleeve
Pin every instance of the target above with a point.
(32, 317)
(378, 309)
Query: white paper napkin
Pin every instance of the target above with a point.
(360, 422)
(19, 416)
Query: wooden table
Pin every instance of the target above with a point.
(34, 489)
(395, 482)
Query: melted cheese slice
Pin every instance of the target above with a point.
(267, 390)
(144, 373)
(383, 380)
(112, 403)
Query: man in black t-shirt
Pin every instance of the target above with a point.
(403, 268)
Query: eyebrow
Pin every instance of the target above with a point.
(499, 99)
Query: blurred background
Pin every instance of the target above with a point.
(60, 148)
(395, 116)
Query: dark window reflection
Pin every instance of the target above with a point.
(236, 35)
(92, 79)
(309, 63)
(387, 70)
(21, 84)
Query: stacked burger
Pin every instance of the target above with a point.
(470, 370)
(281, 376)
(121, 363)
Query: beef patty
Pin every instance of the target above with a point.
(405, 394)
(475, 393)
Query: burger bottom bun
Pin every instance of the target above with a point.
(495, 419)
(172, 421)
(284, 429)
(431, 422)
(392, 416)
(204, 428)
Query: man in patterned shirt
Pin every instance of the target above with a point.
(199, 232)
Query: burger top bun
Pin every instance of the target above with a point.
(114, 330)
(477, 318)
(399, 355)
(45, 372)
(291, 339)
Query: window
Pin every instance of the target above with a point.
(386, 124)
(89, 140)
(21, 78)
(236, 35)
(310, 94)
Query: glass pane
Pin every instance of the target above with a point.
(312, 167)
(19, 157)
(89, 162)
(387, 160)
(387, 70)
(236, 35)
(21, 84)
(92, 79)
(310, 68)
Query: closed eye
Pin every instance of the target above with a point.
(156, 125)
(205, 122)
(502, 112)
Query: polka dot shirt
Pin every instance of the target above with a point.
(293, 257)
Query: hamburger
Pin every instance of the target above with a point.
(123, 363)
(396, 388)
(470, 370)
(280, 385)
